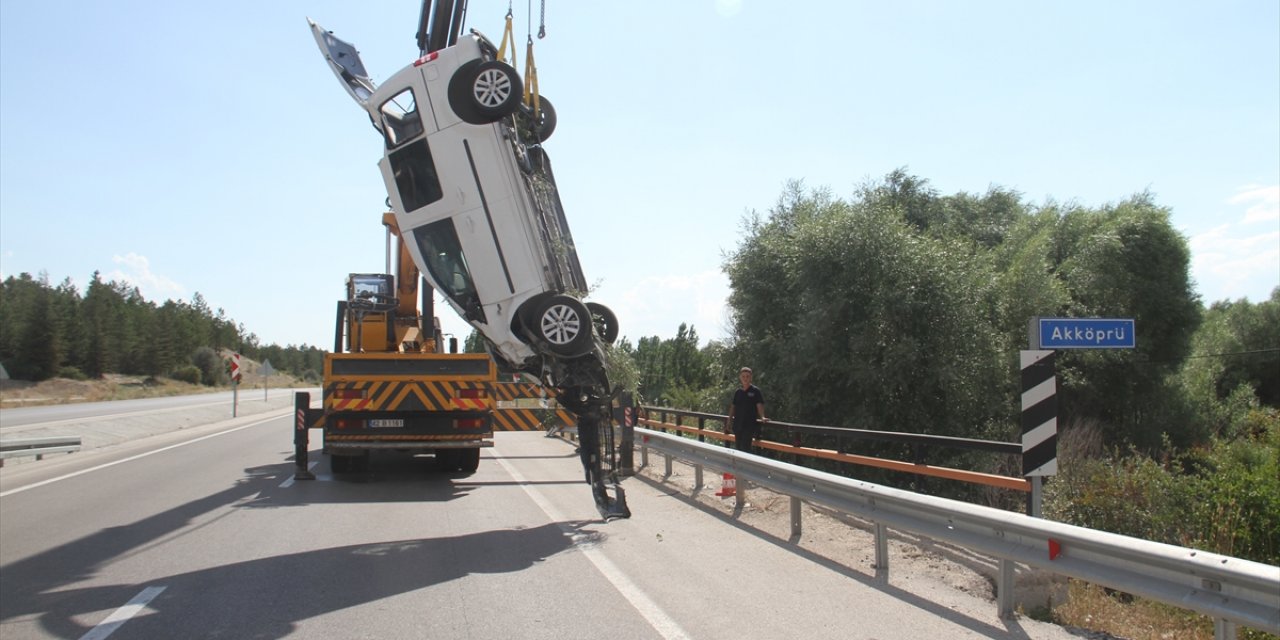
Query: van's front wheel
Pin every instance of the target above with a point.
(564, 325)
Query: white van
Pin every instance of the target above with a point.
(475, 198)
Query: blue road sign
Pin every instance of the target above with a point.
(1086, 333)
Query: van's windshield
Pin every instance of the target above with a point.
(438, 243)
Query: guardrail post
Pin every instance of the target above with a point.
(882, 552)
(1224, 629)
(1004, 589)
(795, 517)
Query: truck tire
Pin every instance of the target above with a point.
(468, 460)
(341, 464)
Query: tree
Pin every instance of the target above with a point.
(854, 317)
(1128, 261)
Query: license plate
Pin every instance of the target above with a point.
(384, 423)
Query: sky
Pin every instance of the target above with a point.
(207, 148)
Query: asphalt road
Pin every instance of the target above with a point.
(202, 533)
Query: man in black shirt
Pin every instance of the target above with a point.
(746, 413)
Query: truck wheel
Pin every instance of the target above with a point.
(485, 92)
(604, 321)
(341, 464)
(468, 460)
(444, 459)
(563, 323)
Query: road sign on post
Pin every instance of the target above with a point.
(266, 372)
(234, 367)
(1083, 333)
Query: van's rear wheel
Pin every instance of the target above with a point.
(544, 125)
(564, 325)
(604, 321)
(485, 92)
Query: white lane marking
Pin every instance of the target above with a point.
(657, 618)
(132, 458)
(289, 482)
(123, 614)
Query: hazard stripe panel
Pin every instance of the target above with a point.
(385, 437)
(406, 395)
(523, 417)
(528, 419)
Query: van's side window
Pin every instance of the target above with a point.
(415, 173)
(438, 243)
(400, 119)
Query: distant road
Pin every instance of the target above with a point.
(32, 416)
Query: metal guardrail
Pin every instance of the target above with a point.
(1230, 590)
(658, 418)
(38, 447)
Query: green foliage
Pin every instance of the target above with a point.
(186, 373)
(622, 371)
(72, 373)
(853, 317)
(475, 343)
(213, 369)
(112, 329)
(903, 309)
(1223, 498)
(665, 366)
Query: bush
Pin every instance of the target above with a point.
(72, 373)
(188, 373)
(1223, 498)
(212, 368)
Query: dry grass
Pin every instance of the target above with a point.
(1123, 616)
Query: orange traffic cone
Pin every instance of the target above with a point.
(730, 487)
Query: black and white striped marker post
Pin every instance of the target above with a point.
(1039, 421)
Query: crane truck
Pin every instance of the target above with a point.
(471, 187)
(389, 385)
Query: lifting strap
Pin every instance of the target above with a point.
(532, 97)
(507, 39)
(531, 80)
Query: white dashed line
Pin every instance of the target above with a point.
(123, 614)
(657, 618)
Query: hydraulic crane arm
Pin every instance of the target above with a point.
(440, 24)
